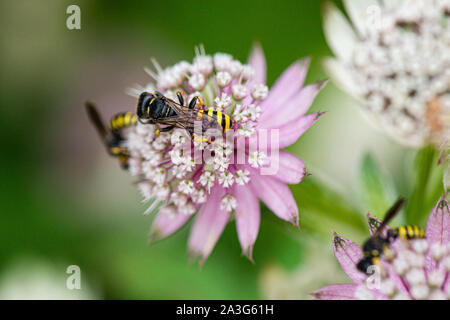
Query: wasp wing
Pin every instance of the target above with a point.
(390, 214)
(98, 123)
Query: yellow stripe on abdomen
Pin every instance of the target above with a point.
(416, 231)
(199, 115)
(402, 232)
(422, 233)
(219, 118)
(227, 123)
(127, 118)
(210, 115)
(410, 232)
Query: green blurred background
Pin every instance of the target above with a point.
(64, 201)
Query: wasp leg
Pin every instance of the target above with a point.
(165, 129)
(180, 96)
(146, 122)
(201, 103)
(193, 102)
(202, 140)
(196, 100)
(199, 139)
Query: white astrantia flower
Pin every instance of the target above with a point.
(222, 102)
(395, 61)
(226, 179)
(228, 203)
(242, 176)
(256, 159)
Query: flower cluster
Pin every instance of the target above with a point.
(418, 268)
(181, 177)
(396, 62)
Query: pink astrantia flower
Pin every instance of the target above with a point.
(419, 269)
(217, 188)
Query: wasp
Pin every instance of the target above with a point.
(378, 244)
(113, 136)
(155, 108)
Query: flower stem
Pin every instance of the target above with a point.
(425, 163)
(316, 198)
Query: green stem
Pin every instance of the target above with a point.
(315, 197)
(424, 164)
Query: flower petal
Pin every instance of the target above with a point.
(391, 3)
(247, 215)
(258, 62)
(276, 195)
(165, 225)
(291, 169)
(278, 138)
(374, 223)
(360, 13)
(336, 292)
(294, 108)
(348, 254)
(339, 34)
(341, 76)
(288, 84)
(208, 225)
(438, 225)
(290, 132)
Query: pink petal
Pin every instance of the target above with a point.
(336, 292)
(277, 138)
(258, 62)
(288, 84)
(164, 225)
(348, 254)
(293, 109)
(373, 223)
(291, 131)
(438, 226)
(291, 169)
(438, 230)
(247, 215)
(276, 195)
(208, 225)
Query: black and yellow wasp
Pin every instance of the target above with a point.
(113, 136)
(155, 108)
(378, 244)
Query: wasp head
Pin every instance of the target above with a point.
(364, 264)
(143, 106)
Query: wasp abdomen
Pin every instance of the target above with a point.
(213, 119)
(410, 232)
(122, 120)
